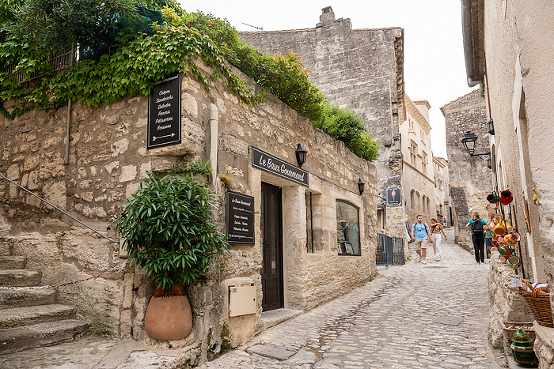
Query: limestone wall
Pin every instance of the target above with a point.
(107, 157)
(360, 70)
(470, 179)
(507, 305)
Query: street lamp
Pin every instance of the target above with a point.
(490, 127)
(469, 143)
(361, 186)
(300, 155)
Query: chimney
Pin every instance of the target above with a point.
(327, 17)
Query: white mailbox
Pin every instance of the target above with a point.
(242, 300)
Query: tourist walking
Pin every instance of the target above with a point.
(437, 232)
(477, 228)
(420, 235)
(489, 233)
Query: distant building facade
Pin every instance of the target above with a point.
(442, 191)
(469, 177)
(417, 175)
(363, 70)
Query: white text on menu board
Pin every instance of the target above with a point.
(238, 219)
(162, 104)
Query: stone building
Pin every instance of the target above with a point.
(442, 191)
(361, 70)
(415, 131)
(321, 230)
(470, 178)
(507, 52)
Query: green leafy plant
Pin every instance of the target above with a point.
(346, 126)
(168, 228)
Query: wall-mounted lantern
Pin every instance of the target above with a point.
(490, 127)
(469, 143)
(300, 155)
(361, 186)
(489, 162)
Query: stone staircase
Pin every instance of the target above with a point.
(30, 318)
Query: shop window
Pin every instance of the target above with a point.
(348, 229)
(314, 233)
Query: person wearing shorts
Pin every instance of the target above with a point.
(420, 236)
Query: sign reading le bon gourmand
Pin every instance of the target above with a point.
(281, 168)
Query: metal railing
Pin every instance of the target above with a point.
(57, 208)
(390, 250)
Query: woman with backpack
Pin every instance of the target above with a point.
(477, 228)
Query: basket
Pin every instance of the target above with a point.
(510, 328)
(539, 303)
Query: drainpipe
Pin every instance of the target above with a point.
(68, 126)
(468, 47)
(214, 135)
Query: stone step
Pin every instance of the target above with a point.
(6, 248)
(23, 316)
(21, 298)
(13, 262)
(20, 278)
(43, 334)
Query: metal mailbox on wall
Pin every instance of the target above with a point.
(242, 300)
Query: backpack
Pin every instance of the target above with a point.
(477, 226)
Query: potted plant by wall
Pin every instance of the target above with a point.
(168, 230)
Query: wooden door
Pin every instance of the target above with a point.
(272, 248)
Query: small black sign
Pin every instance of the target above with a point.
(273, 165)
(164, 113)
(239, 218)
(394, 196)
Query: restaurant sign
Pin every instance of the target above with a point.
(281, 168)
(239, 218)
(164, 113)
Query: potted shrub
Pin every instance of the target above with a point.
(168, 231)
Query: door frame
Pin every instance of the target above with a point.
(280, 255)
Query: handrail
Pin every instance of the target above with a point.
(55, 207)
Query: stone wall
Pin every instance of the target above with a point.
(507, 305)
(360, 70)
(107, 157)
(470, 178)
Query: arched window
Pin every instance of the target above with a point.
(412, 199)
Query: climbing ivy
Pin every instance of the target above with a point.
(139, 61)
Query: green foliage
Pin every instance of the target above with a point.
(168, 228)
(161, 4)
(346, 126)
(48, 26)
(285, 76)
(141, 61)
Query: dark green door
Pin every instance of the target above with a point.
(272, 248)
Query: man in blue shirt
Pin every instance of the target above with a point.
(420, 235)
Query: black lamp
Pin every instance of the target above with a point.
(300, 155)
(489, 162)
(490, 127)
(469, 143)
(361, 186)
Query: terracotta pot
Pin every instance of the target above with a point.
(506, 197)
(168, 317)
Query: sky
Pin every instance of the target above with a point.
(434, 68)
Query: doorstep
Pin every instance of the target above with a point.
(273, 317)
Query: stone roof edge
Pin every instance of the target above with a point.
(411, 106)
(458, 99)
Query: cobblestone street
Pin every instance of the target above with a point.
(430, 315)
(412, 316)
